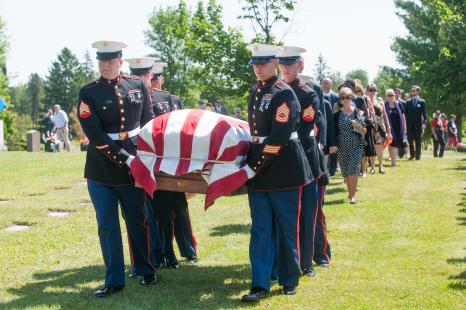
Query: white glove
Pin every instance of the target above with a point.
(251, 173)
(129, 160)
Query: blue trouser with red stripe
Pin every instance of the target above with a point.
(279, 209)
(183, 230)
(321, 246)
(307, 224)
(105, 200)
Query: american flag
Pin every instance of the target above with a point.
(184, 141)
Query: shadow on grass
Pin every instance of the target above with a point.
(334, 190)
(225, 230)
(461, 220)
(334, 202)
(191, 286)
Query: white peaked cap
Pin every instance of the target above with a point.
(141, 62)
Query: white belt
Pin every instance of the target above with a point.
(312, 133)
(258, 140)
(124, 135)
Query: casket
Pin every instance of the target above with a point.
(193, 182)
(192, 151)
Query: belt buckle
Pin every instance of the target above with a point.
(123, 135)
(255, 140)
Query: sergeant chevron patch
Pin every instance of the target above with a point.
(283, 113)
(84, 110)
(272, 149)
(308, 114)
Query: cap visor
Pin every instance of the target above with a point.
(255, 61)
(287, 61)
(108, 56)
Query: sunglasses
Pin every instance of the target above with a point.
(390, 95)
(358, 91)
(371, 90)
(346, 98)
(413, 90)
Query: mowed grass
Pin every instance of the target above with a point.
(402, 246)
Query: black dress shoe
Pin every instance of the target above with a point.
(323, 264)
(192, 259)
(173, 265)
(309, 272)
(289, 290)
(255, 294)
(134, 274)
(108, 290)
(274, 280)
(149, 279)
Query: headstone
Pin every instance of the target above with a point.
(33, 137)
(2, 138)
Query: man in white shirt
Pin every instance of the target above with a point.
(60, 119)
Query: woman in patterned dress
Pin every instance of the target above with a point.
(350, 130)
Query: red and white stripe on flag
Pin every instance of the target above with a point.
(184, 141)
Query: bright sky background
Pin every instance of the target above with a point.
(349, 34)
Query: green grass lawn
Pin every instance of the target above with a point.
(402, 246)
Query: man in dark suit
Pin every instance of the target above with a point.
(415, 122)
(329, 94)
(219, 108)
(399, 97)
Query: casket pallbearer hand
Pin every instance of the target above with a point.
(194, 151)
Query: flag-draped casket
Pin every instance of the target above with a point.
(192, 144)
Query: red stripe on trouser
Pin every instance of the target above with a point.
(130, 252)
(193, 238)
(300, 193)
(146, 226)
(322, 218)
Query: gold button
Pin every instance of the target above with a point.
(122, 110)
(121, 101)
(120, 162)
(104, 108)
(114, 157)
(258, 90)
(108, 152)
(254, 107)
(257, 98)
(256, 132)
(118, 94)
(122, 126)
(258, 162)
(122, 119)
(253, 116)
(109, 82)
(263, 157)
(255, 124)
(116, 87)
(255, 168)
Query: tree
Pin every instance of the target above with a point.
(359, 74)
(321, 68)
(88, 68)
(19, 99)
(337, 79)
(221, 54)
(167, 35)
(434, 51)
(64, 80)
(265, 14)
(34, 89)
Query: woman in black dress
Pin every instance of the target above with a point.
(350, 142)
(397, 121)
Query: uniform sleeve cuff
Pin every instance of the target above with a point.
(251, 173)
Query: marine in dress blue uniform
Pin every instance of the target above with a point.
(142, 67)
(321, 253)
(290, 60)
(279, 168)
(111, 111)
(170, 209)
